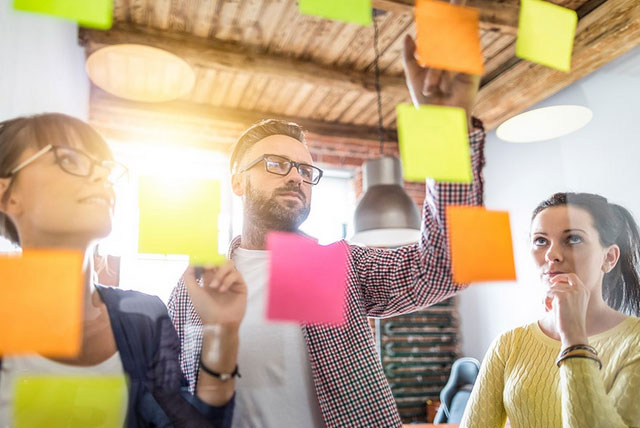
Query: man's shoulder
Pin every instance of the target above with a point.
(179, 292)
(180, 307)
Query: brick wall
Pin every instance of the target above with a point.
(350, 154)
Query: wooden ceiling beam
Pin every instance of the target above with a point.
(218, 55)
(507, 58)
(202, 125)
(494, 14)
(605, 33)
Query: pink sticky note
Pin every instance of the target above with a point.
(307, 281)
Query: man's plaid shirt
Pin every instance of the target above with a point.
(350, 384)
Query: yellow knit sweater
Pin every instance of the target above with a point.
(520, 381)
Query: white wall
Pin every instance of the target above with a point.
(41, 65)
(603, 157)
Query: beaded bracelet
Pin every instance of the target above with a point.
(579, 354)
(221, 376)
(580, 346)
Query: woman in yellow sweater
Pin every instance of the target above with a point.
(579, 366)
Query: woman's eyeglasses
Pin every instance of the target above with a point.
(76, 162)
(282, 166)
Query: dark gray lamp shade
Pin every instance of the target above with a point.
(385, 215)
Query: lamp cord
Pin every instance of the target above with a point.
(377, 82)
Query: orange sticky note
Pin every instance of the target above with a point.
(41, 303)
(448, 37)
(480, 244)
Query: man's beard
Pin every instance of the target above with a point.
(273, 215)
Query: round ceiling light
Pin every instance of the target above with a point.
(544, 123)
(140, 73)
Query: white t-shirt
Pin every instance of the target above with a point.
(276, 388)
(14, 367)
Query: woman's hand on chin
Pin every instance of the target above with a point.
(569, 299)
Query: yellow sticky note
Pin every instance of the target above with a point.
(88, 13)
(70, 402)
(356, 11)
(545, 34)
(180, 216)
(41, 298)
(480, 244)
(434, 143)
(448, 37)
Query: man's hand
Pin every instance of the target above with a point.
(438, 87)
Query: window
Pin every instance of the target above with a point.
(154, 273)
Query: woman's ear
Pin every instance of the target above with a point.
(4, 186)
(8, 203)
(237, 184)
(611, 258)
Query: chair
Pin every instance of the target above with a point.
(456, 393)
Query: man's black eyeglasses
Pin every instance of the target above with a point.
(280, 165)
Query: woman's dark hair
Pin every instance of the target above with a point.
(36, 132)
(615, 225)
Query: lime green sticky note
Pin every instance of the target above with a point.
(70, 402)
(88, 13)
(180, 216)
(434, 143)
(356, 11)
(545, 34)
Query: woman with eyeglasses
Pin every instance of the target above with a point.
(578, 366)
(56, 192)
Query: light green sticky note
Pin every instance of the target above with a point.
(69, 402)
(545, 34)
(180, 216)
(434, 143)
(356, 11)
(88, 13)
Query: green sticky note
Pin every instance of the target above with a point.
(69, 402)
(180, 216)
(356, 11)
(545, 34)
(434, 143)
(87, 13)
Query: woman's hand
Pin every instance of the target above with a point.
(438, 87)
(220, 300)
(222, 297)
(569, 300)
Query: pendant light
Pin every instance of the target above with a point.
(385, 215)
(546, 123)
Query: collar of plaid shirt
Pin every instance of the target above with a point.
(348, 376)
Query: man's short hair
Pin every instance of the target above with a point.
(261, 130)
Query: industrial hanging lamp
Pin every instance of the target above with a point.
(385, 215)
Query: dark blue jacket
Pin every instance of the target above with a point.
(149, 348)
